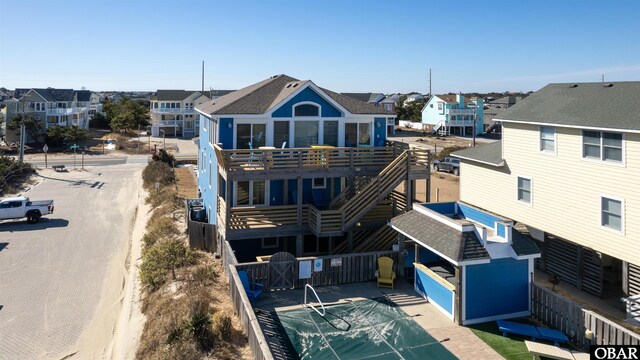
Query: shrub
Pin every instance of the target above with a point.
(164, 156)
(162, 228)
(164, 195)
(222, 326)
(157, 171)
(447, 151)
(164, 255)
(198, 322)
(203, 275)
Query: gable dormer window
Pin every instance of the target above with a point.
(306, 110)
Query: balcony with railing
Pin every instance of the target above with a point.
(177, 111)
(66, 111)
(268, 164)
(454, 112)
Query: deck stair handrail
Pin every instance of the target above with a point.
(380, 240)
(358, 183)
(307, 287)
(370, 195)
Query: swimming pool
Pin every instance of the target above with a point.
(364, 329)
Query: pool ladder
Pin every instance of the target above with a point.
(317, 298)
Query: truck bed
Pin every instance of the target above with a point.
(40, 203)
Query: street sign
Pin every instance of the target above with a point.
(45, 148)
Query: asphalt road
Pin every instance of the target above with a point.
(52, 274)
(70, 162)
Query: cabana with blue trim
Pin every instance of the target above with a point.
(471, 265)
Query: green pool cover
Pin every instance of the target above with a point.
(367, 329)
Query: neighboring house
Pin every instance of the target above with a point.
(389, 103)
(568, 167)
(173, 112)
(54, 107)
(4, 96)
(377, 99)
(457, 252)
(214, 94)
(95, 104)
(504, 102)
(285, 165)
(413, 97)
(453, 115)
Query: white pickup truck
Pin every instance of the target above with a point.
(19, 207)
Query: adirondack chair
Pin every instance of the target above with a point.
(385, 273)
(253, 290)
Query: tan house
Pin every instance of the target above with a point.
(568, 167)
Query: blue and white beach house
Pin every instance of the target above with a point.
(453, 115)
(285, 165)
(471, 265)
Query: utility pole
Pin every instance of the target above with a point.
(429, 82)
(202, 75)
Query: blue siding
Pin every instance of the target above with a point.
(276, 192)
(442, 208)
(208, 195)
(477, 215)
(501, 230)
(328, 110)
(500, 287)
(439, 294)
(225, 135)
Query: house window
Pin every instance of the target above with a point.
(306, 110)
(281, 134)
(611, 213)
(305, 133)
(357, 134)
(601, 145)
(213, 125)
(388, 107)
(319, 183)
(203, 161)
(250, 136)
(210, 174)
(524, 189)
(548, 139)
(330, 132)
(439, 106)
(251, 193)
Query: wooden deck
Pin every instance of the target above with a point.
(243, 164)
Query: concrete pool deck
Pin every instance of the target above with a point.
(462, 342)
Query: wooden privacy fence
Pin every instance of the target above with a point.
(242, 306)
(557, 312)
(202, 235)
(335, 269)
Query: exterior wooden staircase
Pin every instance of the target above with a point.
(334, 222)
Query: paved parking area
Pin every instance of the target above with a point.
(53, 274)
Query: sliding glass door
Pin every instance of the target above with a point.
(357, 134)
(250, 136)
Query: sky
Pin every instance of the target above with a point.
(341, 45)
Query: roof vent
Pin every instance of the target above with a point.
(296, 84)
(288, 85)
(274, 76)
(574, 86)
(608, 85)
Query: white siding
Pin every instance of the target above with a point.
(566, 189)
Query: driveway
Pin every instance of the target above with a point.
(57, 277)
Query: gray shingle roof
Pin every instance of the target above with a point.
(486, 153)
(359, 96)
(507, 100)
(588, 105)
(83, 95)
(522, 244)
(259, 98)
(456, 245)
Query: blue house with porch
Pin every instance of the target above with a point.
(280, 160)
(471, 265)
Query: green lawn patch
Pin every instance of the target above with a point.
(511, 347)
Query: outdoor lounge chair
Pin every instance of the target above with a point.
(553, 352)
(253, 290)
(385, 273)
(517, 328)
